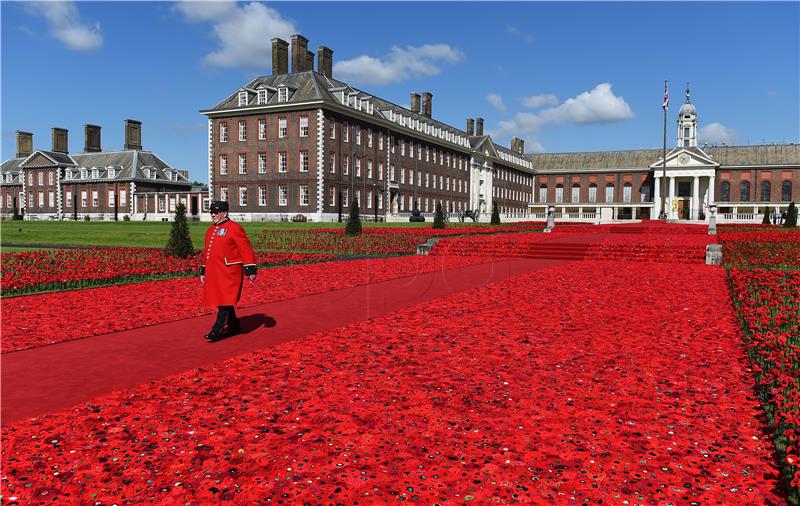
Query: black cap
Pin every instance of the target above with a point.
(219, 205)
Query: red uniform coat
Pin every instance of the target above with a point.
(227, 251)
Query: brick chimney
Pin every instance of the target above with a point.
(133, 134)
(299, 53)
(518, 145)
(479, 127)
(91, 139)
(280, 57)
(470, 126)
(309, 60)
(415, 102)
(24, 144)
(427, 100)
(325, 61)
(60, 140)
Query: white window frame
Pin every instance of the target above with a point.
(332, 196)
(304, 161)
(345, 197)
(283, 128)
(262, 163)
(369, 169)
(223, 193)
(303, 126)
(345, 165)
(242, 131)
(283, 195)
(332, 163)
(262, 195)
(223, 132)
(283, 94)
(51, 198)
(123, 198)
(303, 195)
(243, 196)
(627, 190)
(95, 198)
(283, 162)
(262, 129)
(84, 199)
(67, 198)
(223, 165)
(262, 97)
(111, 198)
(609, 193)
(242, 99)
(242, 163)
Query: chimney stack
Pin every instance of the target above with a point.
(299, 53)
(310, 60)
(24, 144)
(280, 57)
(325, 61)
(470, 126)
(427, 98)
(518, 145)
(415, 102)
(479, 127)
(60, 140)
(91, 139)
(133, 134)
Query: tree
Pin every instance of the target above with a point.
(495, 214)
(354, 221)
(791, 216)
(16, 215)
(766, 221)
(180, 242)
(438, 217)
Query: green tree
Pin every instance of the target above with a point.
(791, 216)
(766, 221)
(438, 217)
(16, 215)
(495, 214)
(354, 221)
(180, 242)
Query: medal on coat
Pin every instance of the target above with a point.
(222, 231)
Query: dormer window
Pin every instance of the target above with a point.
(242, 98)
(262, 96)
(95, 173)
(283, 94)
(68, 174)
(83, 173)
(153, 174)
(112, 173)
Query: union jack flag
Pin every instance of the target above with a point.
(666, 96)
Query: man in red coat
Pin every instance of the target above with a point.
(227, 258)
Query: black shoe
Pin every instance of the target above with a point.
(214, 336)
(231, 329)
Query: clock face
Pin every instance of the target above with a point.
(683, 159)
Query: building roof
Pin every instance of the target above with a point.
(641, 159)
(310, 86)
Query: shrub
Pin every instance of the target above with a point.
(126, 218)
(86, 218)
(180, 242)
(791, 216)
(438, 217)
(495, 214)
(766, 221)
(354, 221)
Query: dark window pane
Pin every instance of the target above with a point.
(765, 191)
(786, 191)
(725, 191)
(745, 191)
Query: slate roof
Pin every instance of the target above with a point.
(641, 159)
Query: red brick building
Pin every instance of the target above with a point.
(102, 185)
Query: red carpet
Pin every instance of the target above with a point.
(41, 380)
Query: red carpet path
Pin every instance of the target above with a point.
(41, 380)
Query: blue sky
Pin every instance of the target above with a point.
(565, 76)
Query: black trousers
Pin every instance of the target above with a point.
(225, 314)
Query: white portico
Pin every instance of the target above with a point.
(684, 185)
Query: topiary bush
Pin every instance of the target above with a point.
(791, 216)
(495, 214)
(354, 220)
(438, 217)
(180, 242)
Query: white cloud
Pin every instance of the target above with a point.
(599, 105)
(244, 32)
(399, 65)
(66, 25)
(536, 101)
(716, 133)
(513, 30)
(496, 101)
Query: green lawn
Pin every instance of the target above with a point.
(134, 233)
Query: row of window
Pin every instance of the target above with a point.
(51, 199)
(262, 97)
(283, 129)
(744, 191)
(303, 194)
(627, 190)
(439, 156)
(282, 163)
(509, 193)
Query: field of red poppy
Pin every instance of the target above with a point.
(503, 395)
(606, 390)
(764, 275)
(42, 319)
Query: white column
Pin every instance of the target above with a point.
(633, 212)
(694, 211)
(657, 198)
(710, 190)
(670, 212)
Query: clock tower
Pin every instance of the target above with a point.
(687, 123)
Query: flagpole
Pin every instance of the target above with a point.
(663, 215)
